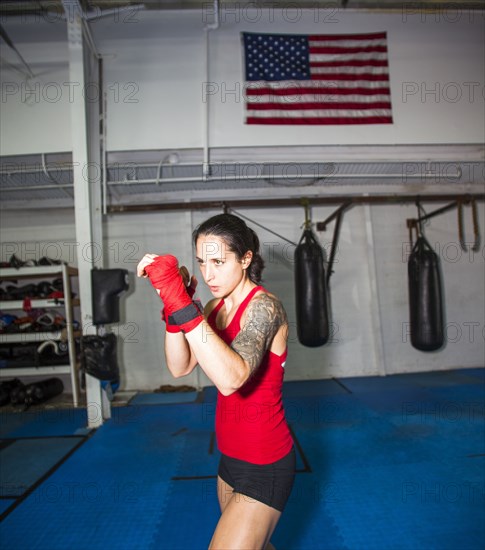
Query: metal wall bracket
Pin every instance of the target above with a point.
(416, 223)
(322, 226)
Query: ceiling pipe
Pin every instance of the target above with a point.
(197, 179)
(205, 98)
(167, 161)
(270, 177)
(37, 187)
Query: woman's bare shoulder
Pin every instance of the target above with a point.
(266, 301)
(265, 295)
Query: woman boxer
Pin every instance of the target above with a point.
(241, 344)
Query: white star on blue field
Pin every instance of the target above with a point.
(274, 57)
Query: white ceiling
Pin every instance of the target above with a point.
(44, 20)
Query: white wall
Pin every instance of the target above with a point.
(368, 289)
(154, 74)
(34, 113)
(432, 102)
(421, 57)
(463, 276)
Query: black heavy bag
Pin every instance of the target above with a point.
(17, 394)
(99, 357)
(312, 312)
(38, 392)
(425, 298)
(107, 285)
(6, 389)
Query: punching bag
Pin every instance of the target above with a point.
(425, 297)
(99, 357)
(107, 285)
(17, 394)
(6, 389)
(312, 312)
(43, 390)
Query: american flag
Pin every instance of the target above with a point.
(317, 79)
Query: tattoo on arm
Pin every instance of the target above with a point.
(265, 315)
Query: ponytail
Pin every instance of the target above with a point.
(255, 269)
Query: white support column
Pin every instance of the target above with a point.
(84, 78)
(375, 304)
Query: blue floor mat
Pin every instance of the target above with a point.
(46, 423)
(306, 523)
(5, 503)
(189, 518)
(313, 387)
(27, 460)
(411, 380)
(442, 378)
(394, 465)
(10, 422)
(199, 456)
(164, 398)
(476, 373)
(110, 493)
(405, 506)
(209, 394)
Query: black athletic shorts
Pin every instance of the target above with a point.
(270, 484)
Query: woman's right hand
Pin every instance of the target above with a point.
(189, 282)
(142, 264)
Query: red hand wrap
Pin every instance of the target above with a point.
(168, 326)
(165, 277)
(174, 329)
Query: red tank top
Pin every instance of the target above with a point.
(250, 423)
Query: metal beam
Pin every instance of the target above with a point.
(290, 202)
(322, 226)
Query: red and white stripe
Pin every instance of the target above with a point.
(349, 85)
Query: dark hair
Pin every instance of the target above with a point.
(239, 238)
